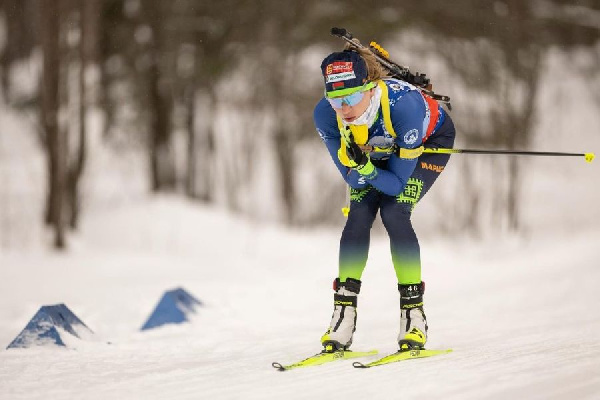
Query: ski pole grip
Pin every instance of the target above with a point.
(340, 32)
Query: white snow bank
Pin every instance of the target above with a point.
(521, 315)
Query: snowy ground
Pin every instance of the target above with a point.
(522, 316)
(522, 313)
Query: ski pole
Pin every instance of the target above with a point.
(589, 157)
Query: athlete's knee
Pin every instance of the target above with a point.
(397, 219)
(398, 213)
(356, 228)
(360, 218)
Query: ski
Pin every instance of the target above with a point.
(400, 356)
(324, 357)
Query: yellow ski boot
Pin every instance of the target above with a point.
(343, 321)
(413, 322)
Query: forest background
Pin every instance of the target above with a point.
(106, 101)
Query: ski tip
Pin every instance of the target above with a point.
(358, 364)
(278, 366)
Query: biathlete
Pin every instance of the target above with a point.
(374, 128)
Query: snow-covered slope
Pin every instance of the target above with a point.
(522, 313)
(522, 316)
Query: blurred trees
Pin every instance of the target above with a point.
(67, 33)
(54, 136)
(86, 15)
(497, 48)
(162, 73)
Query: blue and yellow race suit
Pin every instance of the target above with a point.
(400, 181)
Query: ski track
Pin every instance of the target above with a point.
(523, 321)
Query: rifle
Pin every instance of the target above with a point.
(396, 70)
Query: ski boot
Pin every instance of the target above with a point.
(343, 322)
(413, 323)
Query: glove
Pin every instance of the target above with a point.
(363, 164)
(355, 154)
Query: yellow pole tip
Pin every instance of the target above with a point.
(345, 211)
(589, 157)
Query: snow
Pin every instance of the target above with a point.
(521, 311)
(521, 315)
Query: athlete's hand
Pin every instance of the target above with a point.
(355, 154)
(362, 162)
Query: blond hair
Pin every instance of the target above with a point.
(374, 70)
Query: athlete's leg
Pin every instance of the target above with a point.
(396, 211)
(395, 214)
(354, 249)
(354, 244)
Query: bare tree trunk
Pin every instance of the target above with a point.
(188, 84)
(204, 150)
(76, 169)
(88, 55)
(55, 137)
(469, 194)
(286, 172)
(524, 61)
(162, 163)
(514, 195)
(192, 154)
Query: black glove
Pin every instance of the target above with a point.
(355, 154)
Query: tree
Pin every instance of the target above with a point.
(88, 12)
(55, 137)
(162, 161)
